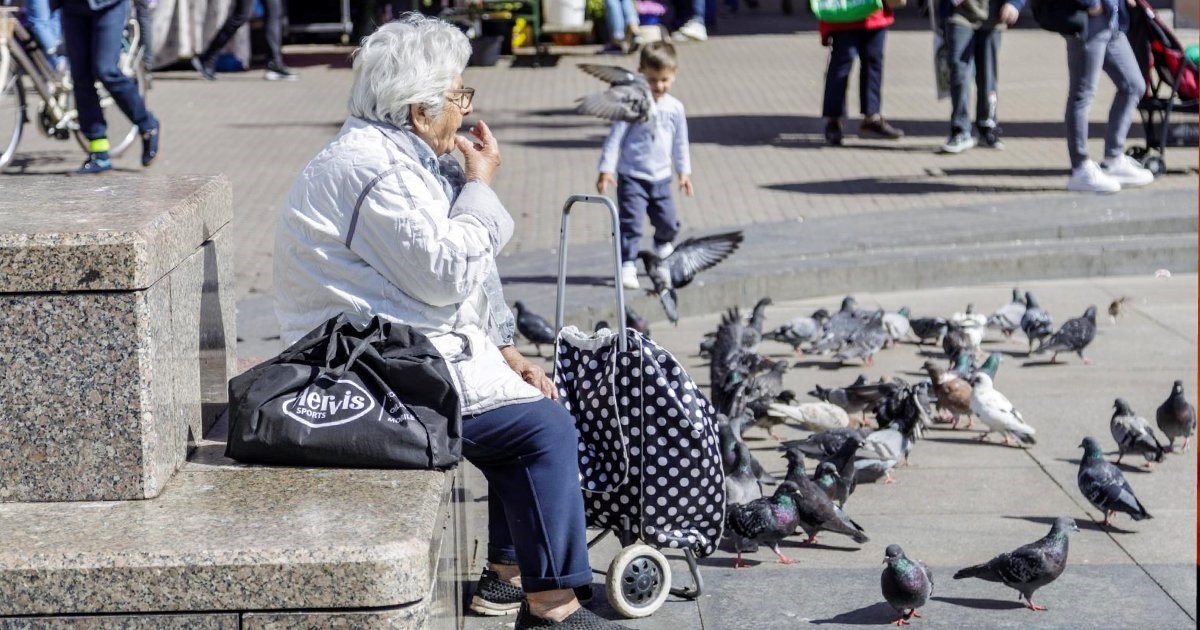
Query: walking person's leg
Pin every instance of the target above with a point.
(1122, 67)
(78, 36)
(837, 76)
(145, 25)
(1085, 59)
(987, 89)
(663, 217)
(870, 79)
(46, 27)
(239, 12)
(273, 32)
(109, 27)
(614, 16)
(633, 196)
(960, 53)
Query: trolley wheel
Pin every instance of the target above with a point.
(639, 580)
(1137, 153)
(1154, 164)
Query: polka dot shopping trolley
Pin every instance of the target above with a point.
(649, 461)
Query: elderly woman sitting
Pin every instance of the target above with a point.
(383, 221)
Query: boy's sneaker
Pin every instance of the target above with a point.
(1126, 171)
(206, 68)
(629, 277)
(279, 72)
(833, 132)
(96, 163)
(877, 127)
(149, 145)
(581, 619)
(990, 137)
(958, 143)
(662, 250)
(693, 29)
(1089, 178)
(494, 597)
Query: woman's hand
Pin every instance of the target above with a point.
(483, 156)
(530, 372)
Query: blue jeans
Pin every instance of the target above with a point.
(637, 199)
(239, 12)
(93, 40)
(529, 454)
(620, 15)
(45, 27)
(972, 51)
(846, 45)
(1100, 47)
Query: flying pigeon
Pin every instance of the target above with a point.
(906, 584)
(534, 327)
(681, 266)
(1103, 485)
(1133, 434)
(628, 97)
(1074, 336)
(767, 520)
(995, 410)
(953, 394)
(867, 340)
(758, 315)
(1007, 318)
(1177, 417)
(1036, 322)
(897, 325)
(1028, 567)
(926, 328)
(800, 330)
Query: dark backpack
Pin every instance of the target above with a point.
(1066, 17)
(376, 397)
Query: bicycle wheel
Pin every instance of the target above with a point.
(12, 115)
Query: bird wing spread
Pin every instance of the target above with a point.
(698, 254)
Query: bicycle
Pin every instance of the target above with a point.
(25, 66)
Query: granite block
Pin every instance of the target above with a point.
(232, 539)
(218, 621)
(414, 617)
(122, 234)
(111, 387)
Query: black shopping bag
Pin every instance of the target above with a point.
(377, 397)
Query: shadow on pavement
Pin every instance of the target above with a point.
(877, 614)
(591, 281)
(898, 186)
(980, 603)
(1089, 524)
(1123, 466)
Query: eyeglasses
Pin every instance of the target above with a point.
(461, 97)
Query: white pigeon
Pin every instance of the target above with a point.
(812, 416)
(896, 325)
(973, 324)
(995, 410)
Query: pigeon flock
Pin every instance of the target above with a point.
(866, 430)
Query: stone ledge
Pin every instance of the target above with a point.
(223, 539)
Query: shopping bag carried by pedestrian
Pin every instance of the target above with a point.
(374, 397)
(837, 11)
(648, 445)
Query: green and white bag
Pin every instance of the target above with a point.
(844, 10)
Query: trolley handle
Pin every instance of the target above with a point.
(560, 302)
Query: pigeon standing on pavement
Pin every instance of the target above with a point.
(843, 461)
(866, 341)
(636, 322)
(741, 487)
(1028, 567)
(1007, 318)
(897, 325)
(840, 327)
(926, 328)
(995, 410)
(1177, 417)
(795, 464)
(1133, 434)
(534, 327)
(628, 97)
(801, 330)
(1103, 485)
(972, 324)
(680, 267)
(906, 584)
(1036, 322)
(814, 416)
(1074, 336)
(827, 478)
(767, 520)
(1115, 308)
(953, 394)
(817, 513)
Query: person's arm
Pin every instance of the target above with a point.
(1010, 11)
(529, 371)
(680, 153)
(610, 153)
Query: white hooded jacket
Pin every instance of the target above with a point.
(377, 225)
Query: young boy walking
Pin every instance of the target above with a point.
(638, 158)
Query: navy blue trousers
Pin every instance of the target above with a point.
(529, 454)
(867, 46)
(637, 199)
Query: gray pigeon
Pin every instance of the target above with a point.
(906, 584)
(1036, 322)
(534, 327)
(817, 513)
(1133, 434)
(867, 340)
(681, 266)
(800, 330)
(741, 487)
(840, 327)
(1007, 318)
(831, 482)
(926, 328)
(1103, 485)
(1028, 567)
(1074, 336)
(1177, 417)
(825, 443)
(767, 520)
(627, 98)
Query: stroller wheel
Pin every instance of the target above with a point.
(1155, 165)
(639, 580)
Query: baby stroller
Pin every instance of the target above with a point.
(650, 466)
(1172, 85)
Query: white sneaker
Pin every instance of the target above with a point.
(1089, 178)
(629, 277)
(664, 250)
(692, 29)
(1126, 171)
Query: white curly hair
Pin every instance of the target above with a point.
(409, 61)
